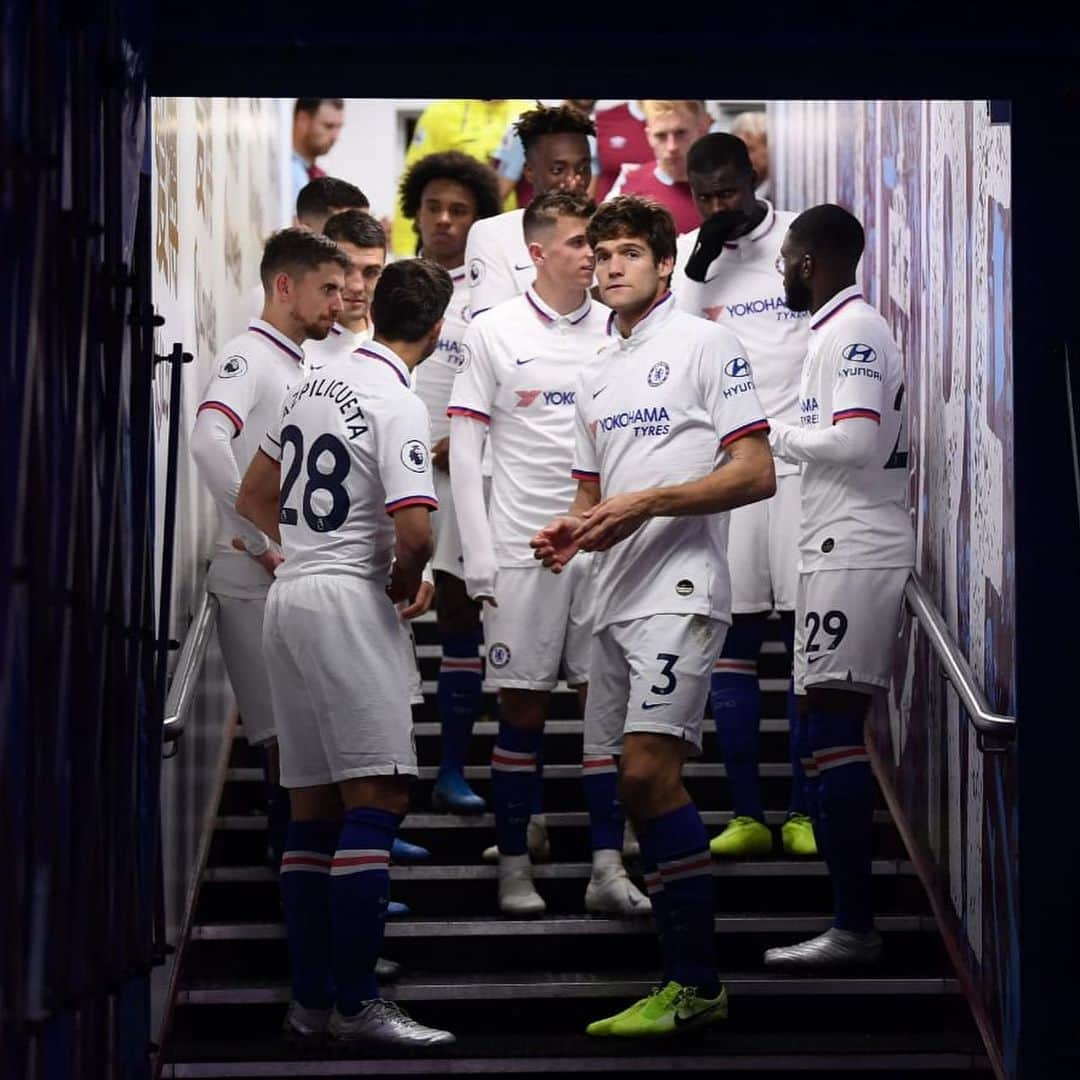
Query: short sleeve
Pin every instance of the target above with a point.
(586, 466)
(475, 384)
(233, 389)
(487, 264)
(403, 439)
(857, 361)
(727, 387)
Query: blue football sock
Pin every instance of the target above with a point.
(736, 707)
(847, 811)
(678, 845)
(513, 780)
(654, 886)
(305, 895)
(600, 777)
(460, 679)
(359, 893)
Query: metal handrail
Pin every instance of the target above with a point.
(188, 665)
(956, 669)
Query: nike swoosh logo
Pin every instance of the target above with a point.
(655, 704)
(522, 363)
(597, 393)
(527, 266)
(811, 659)
(683, 1021)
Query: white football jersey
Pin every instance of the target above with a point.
(853, 518)
(744, 291)
(433, 378)
(252, 374)
(519, 373)
(352, 440)
(339, 343)
(497, 260)
(655, 409)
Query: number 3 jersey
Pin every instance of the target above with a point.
(656, 409)
(353, 446)
(855, 517)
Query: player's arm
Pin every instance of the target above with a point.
(746, 476)
(258, 499)
(849, 442)
(413, 548)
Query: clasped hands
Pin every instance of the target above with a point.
(597, 529)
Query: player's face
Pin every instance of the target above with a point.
(798, 266)
(315, 299)
(559, 163)
(319, 131)
(630, 279)
(447, 211)
(365, 269)
(671, 134)
(723, 189)
(567, 257)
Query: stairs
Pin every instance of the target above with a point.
(519, 993)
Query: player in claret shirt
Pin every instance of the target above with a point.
(522, 361)
(856, 548)
(670, 436)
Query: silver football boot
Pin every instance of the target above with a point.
(303, 1026)
(385, 1023)
(834, 948)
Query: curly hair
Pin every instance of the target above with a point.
(451, 165)
(560, 120)
(634, 216)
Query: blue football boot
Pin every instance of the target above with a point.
(453, 794)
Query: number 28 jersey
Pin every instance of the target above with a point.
(353, 445)
(855, 518)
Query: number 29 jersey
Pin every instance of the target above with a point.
(855, 518)
(353, 445)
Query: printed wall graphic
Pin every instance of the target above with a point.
(930, 182)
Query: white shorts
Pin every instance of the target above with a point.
(542, 619)
(444, 526)
(240, 631)
(846, 624)
(763, 550)
(415, 685)
(336, 660)
(651, 675)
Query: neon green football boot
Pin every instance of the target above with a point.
(743, 836)
(797, 834)
(675, 1009)
(603, 1027)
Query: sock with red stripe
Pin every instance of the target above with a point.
(459, 693)
(305, 896)
(658, 898)
(676, 842)
(600, 777)
(514, 779)
(798, 739)
(359, 893)
(847, 812)
(736, 708)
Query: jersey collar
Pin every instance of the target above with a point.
(652, 321)
(762, 229)
(276, 337)
(830, 308)
(377, 351)
(549, 316)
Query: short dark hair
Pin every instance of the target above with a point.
(296, 252)
(831, 233)
(326, 193)
(450, 165)
(355, 227)
(546, 209)
(633, 215)
(717, 149)
(410, 298)
(557, 120)
(311, 104)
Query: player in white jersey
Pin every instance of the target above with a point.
(517, 384)
(302, 278)
(857, 548)
(557, 158)
(344, 477)
(670, 435)
(445, 194)
(729, 271)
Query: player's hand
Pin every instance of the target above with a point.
(401, 586)
(269, 560)
(440, 454)
(713, 233)
(487, 601)
(610, 521)
(554, 545)
(421, 602)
